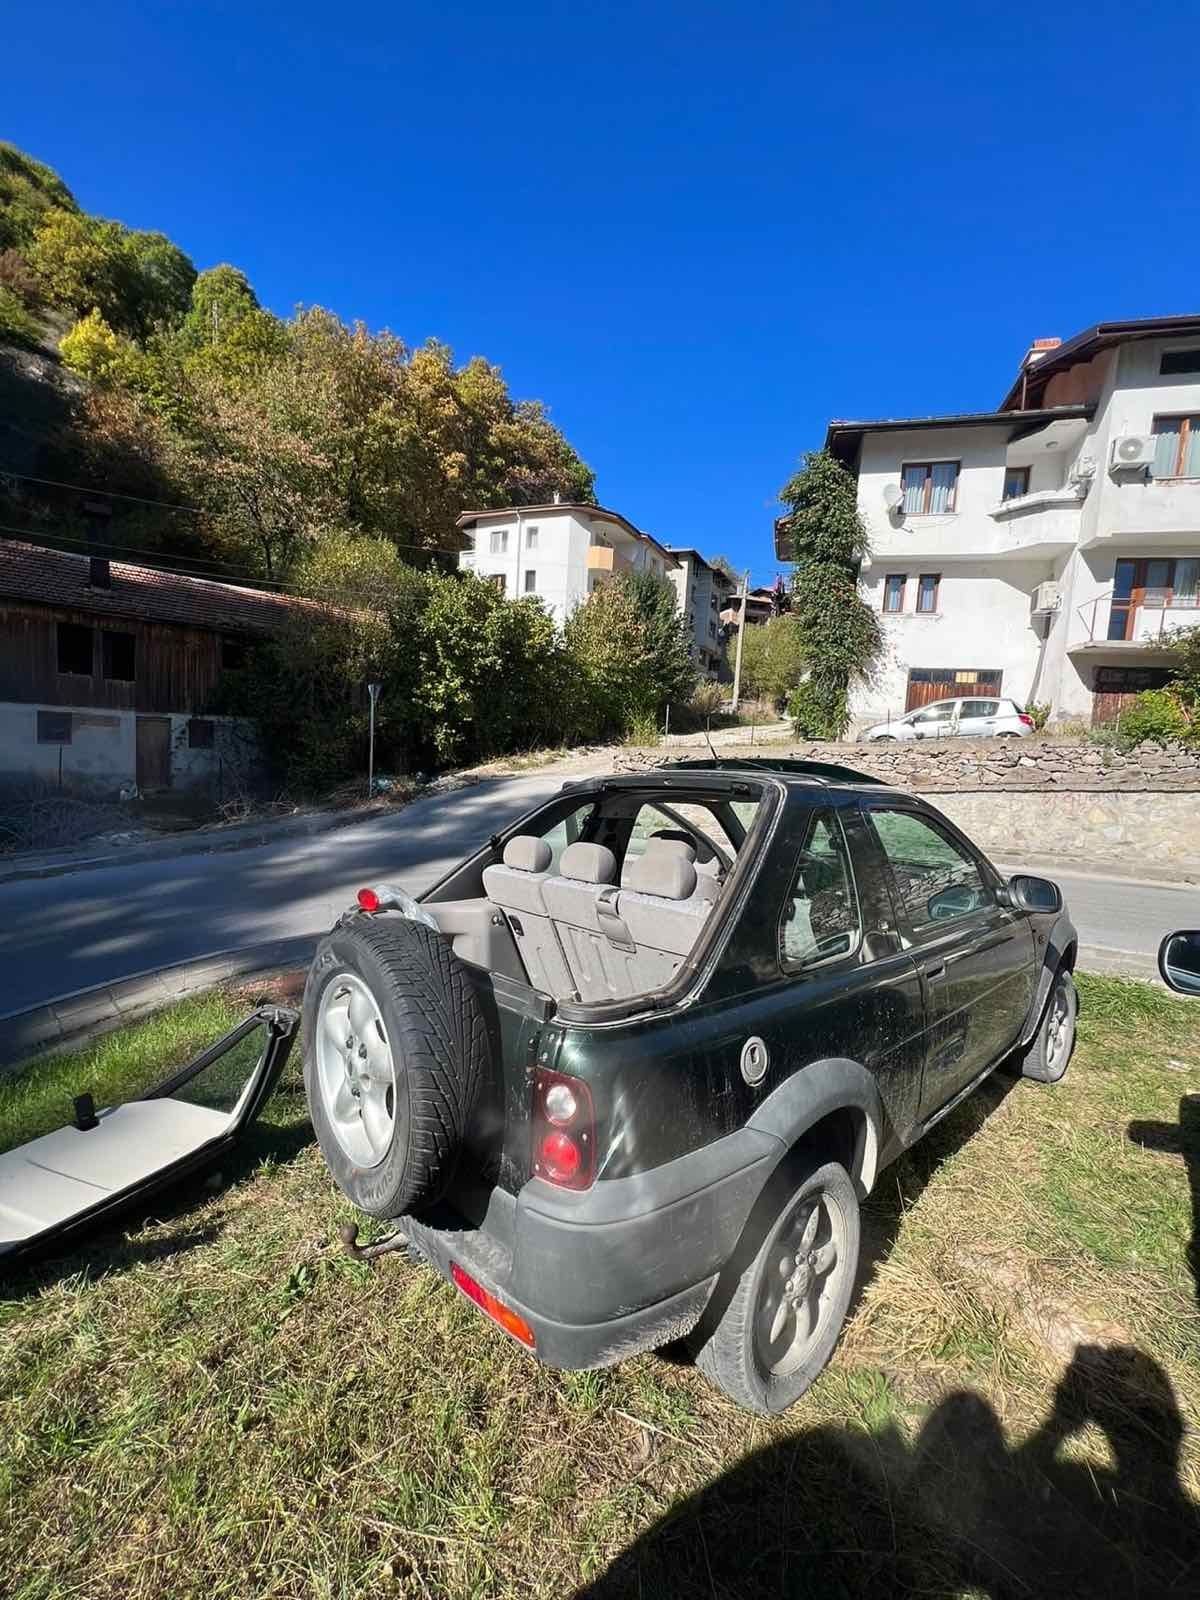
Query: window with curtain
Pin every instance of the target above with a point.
(1016, 482)
(930, 487)
(499, 541)
(1176, 447)
(893, 591)
(927, 591)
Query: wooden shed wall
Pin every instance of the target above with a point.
(175, 667)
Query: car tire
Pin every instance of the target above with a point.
(1007, 733)
(759, 1352)
(1049, 1055)
(395, 1053)
(884, 738)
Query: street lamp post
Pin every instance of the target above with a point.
(373, 690)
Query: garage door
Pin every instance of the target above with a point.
(941, 683)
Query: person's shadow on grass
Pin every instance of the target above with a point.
(1180, 1138)
(832, 1511)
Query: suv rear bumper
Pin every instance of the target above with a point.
(623, 1266)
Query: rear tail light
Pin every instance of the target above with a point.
(490, 1306)
(368, 900)
(1024, 717)
(564, 1131)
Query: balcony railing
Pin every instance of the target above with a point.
(1146, 622)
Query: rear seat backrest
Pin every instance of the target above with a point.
(517, 888)
(582, 903)
(608, 956)
(661, 907)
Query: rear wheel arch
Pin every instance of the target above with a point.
(832, 1105)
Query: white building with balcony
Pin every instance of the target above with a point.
(557, 552)
(1045, 550)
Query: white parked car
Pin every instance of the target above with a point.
(964, 718)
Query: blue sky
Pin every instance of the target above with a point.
(695, 231)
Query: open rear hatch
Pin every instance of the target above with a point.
(62, 1182)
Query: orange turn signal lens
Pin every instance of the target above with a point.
(491, 1307)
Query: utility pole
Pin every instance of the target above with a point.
(737, 664)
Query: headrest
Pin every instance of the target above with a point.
(663, 869)
(590, 863)
(527, 854)
(676, 836)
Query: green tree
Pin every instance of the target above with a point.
(492, 671)
(158, 281)
(82, 264)
(840, 633)
(773, 659)
(91, 348)
(225, 329)
(28, 191)
(630, 648)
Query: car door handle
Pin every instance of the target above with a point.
(936, 971)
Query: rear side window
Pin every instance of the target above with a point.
(935, 878)
(821, 919)
(980, 708)
(568, 831)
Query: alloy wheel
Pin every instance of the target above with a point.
(355, 1070)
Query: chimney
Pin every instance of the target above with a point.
(96, 514)
(1038, 349)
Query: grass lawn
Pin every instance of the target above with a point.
(215, 1402)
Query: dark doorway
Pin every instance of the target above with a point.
(153, 753)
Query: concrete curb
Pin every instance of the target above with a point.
(73, 1019)
(245, 837)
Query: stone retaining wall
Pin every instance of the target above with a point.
(1014, 764)
(1136, 810)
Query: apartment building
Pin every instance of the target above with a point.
(703, 593)
(558, 552)
(1047, 549)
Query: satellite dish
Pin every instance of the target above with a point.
(893, 494)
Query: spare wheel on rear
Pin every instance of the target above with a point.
(395, 1051)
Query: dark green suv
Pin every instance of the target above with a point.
(625, 1074)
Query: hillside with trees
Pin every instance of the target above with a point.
(313, 455)
(178, 386)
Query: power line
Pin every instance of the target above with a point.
(265, 585)
(198, 511)
(108, 494)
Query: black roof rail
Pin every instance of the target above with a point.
(825, 773)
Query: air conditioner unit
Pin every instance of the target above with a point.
(1046, 597)
(1132, 450)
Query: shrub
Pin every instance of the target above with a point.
(1156, 714)
(16, 324)
(773, 659)
(1039, 711)
(630, 650)
(707, 700)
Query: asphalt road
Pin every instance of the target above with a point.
(92, 926)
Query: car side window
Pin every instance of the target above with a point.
(821, 917)
(938, 713)
(936, 879)
(568, 831)
(980, 708)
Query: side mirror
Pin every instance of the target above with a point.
(1179, 962)
(1027, 893)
